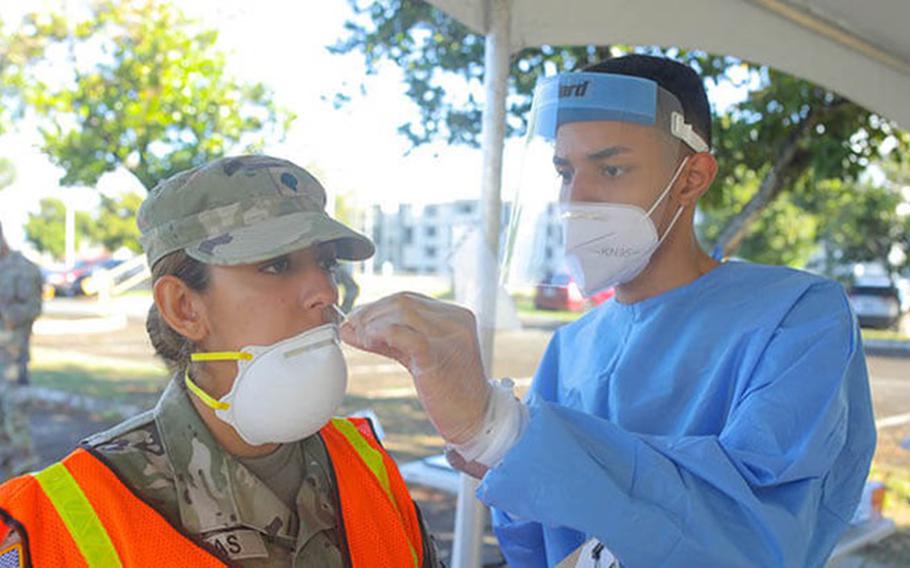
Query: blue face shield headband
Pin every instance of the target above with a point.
(583, 97)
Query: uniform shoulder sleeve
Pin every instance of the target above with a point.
(133, 450)
(111, 434)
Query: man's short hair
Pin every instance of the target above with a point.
(679, 79)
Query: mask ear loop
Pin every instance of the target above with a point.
(664, 194)
(336, 314)
(213, 356)
(669, 185)
(670, 228)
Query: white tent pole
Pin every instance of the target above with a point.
(470, 514)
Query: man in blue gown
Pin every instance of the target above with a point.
(711, 414)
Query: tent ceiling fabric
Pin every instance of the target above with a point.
(858, 49)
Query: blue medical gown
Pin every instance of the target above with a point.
(724, 423)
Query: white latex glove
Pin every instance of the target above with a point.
(437, 342)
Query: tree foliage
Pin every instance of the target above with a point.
(864, 223)
(46, 230)
(115, 223)
(776, 148)
(7, 173)
(148, 90)
(19, 50)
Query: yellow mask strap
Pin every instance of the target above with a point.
(222, 356)
(213, 356)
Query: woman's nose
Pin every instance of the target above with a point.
(318, 289)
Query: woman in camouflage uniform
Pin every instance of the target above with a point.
(242, 253)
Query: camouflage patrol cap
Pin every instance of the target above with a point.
(242, 210)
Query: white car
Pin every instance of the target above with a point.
(877, 305)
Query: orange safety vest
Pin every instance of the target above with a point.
(77, 512)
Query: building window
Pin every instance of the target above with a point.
(431, 231)
(430, 211)
(408, 235)
(430, 252)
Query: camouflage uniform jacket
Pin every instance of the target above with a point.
(168, 456)
(20, 305)
(20, 299)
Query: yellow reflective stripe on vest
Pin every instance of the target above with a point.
(373, 459)
(78, 515)
(367, 453)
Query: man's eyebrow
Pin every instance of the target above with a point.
(608, 152)
(603, 154)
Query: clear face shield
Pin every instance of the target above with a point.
(593, 202)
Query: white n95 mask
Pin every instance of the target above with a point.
(283, 392)
(608, 244)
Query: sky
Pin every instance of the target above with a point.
(355, 149)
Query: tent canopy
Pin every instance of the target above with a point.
(860, 50)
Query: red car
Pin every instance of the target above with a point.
(562, 293)
(68, 282)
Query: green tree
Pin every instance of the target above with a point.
(7, 173)
(429, 45)
(863, 222)
(784, 234)
(782, 142)
(115, 224)
(18, 51)
(796, 137)
(46, 230)
(149, 92)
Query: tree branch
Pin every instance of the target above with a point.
(731, 237)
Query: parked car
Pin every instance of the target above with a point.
(68, 282)
(88, 283)
(602, 296)
(48, 291)
(86, 277)
(903, 289)
(62, 279)
(876, 304)
(560, 292)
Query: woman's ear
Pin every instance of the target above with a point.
(699, 173)
(180, 307)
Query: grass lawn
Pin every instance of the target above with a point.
(132, 384)
(894, 550)
(886, 334)
(525, 307)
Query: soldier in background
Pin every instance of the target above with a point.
(20, 305)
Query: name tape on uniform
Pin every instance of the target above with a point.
(239, 544)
